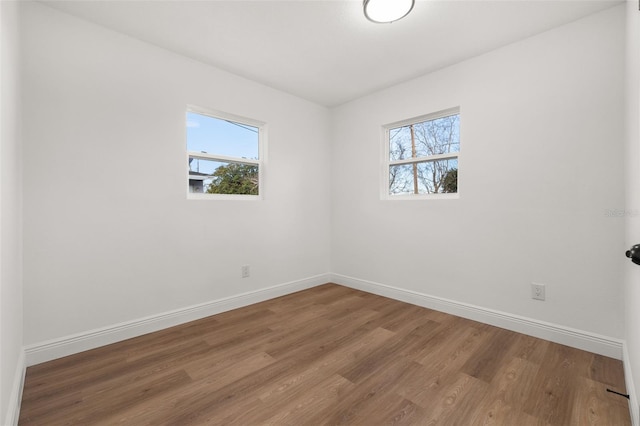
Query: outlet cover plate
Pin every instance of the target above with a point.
(537, 291)
(246, 271)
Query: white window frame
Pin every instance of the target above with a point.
(387, 163)
(260, 162)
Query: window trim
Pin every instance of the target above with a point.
(386, 163)
(260, 162)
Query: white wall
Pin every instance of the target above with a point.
(11, 353)
(542, 149)
(109, 235)
(632, 156)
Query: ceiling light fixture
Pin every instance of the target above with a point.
(387, 11)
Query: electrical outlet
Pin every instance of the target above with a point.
(246, 271)
(537, 291)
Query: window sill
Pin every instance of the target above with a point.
(223, 197)
(421, 197)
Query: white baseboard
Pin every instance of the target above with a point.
(634, 409)
(580, 339)
(68, 345)
(13, 409)
(57, 348)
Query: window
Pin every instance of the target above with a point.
(421, 156)
(224, 154)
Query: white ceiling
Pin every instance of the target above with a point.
(325, 50)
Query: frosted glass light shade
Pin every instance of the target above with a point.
(384, 11)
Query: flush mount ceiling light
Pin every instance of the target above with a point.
(386, 11)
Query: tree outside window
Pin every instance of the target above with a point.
(423, 155)
(224, 154)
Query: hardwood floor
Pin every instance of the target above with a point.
(328, 355)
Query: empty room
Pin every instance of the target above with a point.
(314, 212)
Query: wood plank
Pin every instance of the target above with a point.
(593, 405)
(320, 397)
(509, 388)
(556, 386)
(488, 359)
(328, 355)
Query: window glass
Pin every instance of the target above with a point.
(223, 155)
(221, 137)
(423, 155)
